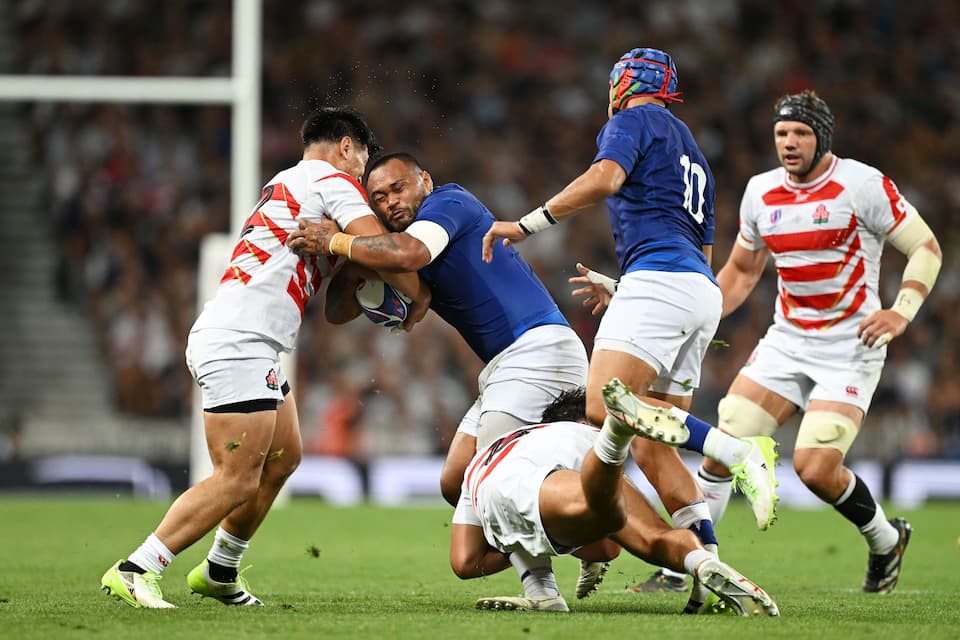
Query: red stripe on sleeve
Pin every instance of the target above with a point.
(351, 180)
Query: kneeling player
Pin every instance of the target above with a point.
(553, 488)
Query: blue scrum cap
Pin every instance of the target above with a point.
(643, 72)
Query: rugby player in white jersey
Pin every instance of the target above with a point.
(249, 413)
(551, 489)
(825, 220)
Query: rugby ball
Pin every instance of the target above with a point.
(383, 304)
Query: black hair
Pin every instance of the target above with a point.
(331, 124)
(384, 158)
(571, 405)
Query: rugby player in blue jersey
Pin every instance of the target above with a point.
(502, 310)
(659, 191)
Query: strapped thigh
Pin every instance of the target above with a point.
(826, 430)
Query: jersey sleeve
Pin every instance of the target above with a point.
(339, 197)
(749, 235)
(880, 206)
(619, 144)
(451, 213)
(465, 513)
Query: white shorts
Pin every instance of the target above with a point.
(232, 366)
(800, 376)
(665, 319)
(526, 377)
(509, 502)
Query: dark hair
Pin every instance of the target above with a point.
(380, 160)
(331, 124)
(570, 405)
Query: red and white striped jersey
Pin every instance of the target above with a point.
(826, 238)
(266, 286)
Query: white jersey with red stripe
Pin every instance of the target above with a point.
(826, 238)
(266, 286)
(537, 449)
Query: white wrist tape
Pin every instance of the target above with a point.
(908, 303)
(607, 282)
(536, 221)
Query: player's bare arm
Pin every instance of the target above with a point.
(740, 275)
(325, 238)
(602, 179)
(924, 258)
(340, 304)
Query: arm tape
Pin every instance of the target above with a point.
(923, 265)
(341, 244)
(434, 237)
(536, 221)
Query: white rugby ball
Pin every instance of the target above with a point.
(383, 304)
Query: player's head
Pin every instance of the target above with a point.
(798, 152)
(397, 185)
(643, 72)
(346, 130)
(570, 406)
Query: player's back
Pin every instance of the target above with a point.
(562, 445)
(663, 213)
(490, 305)
(266, 286)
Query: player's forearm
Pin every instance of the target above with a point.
(601, 180)
(340, 304)
(735, 286)
(390, 252)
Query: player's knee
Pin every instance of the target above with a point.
(741, 417)
(464, 565)
(280, 465)
(613, 520)
(821, 437)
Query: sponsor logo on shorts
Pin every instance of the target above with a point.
(821, 215)
(853, 391)
(272, 382)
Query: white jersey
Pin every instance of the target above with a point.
(826, 238)
(266, 286)
(529, 453)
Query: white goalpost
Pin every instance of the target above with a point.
(241, 92)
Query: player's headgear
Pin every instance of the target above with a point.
(643, 72)
(810, 109)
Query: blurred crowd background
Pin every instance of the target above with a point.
(506, 99)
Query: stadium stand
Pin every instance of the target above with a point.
(108, 203)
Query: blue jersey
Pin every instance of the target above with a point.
(490, 305)
(663, 213)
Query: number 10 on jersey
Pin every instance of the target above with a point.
(693, 173)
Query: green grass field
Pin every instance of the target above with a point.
(383, 573)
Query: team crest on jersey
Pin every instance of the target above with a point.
(821, 215)
(272, 382)
(852, 391)
(775, 216)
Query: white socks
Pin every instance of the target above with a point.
(536, 575)
(716, 492)
(881, 536)
(227, 549)
(725, 449)
(692, 561)
(612, 445)
(152, 555)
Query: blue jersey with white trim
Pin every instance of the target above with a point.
(663, 213)
(490, 305)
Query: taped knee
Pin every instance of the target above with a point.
(741, 417)
(826, 430)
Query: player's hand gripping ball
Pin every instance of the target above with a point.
(383, 304)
